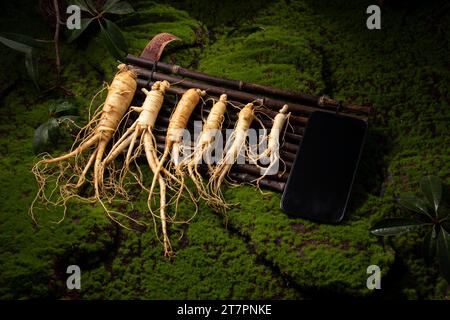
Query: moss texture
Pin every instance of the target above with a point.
(256, 251)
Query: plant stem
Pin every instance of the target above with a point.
(56, 40)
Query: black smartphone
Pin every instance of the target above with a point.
(321, 177)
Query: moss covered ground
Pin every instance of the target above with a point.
(317, 47)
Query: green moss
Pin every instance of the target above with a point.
(256, 251)
(344, 59)
(115, 263)
(269, 57)
(402, 77)
(324, 257)
(217, 14)
(152, 18)
(210, 264)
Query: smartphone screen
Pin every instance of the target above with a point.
(321, 177)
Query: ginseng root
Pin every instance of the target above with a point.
(97, 134)
(272, 152)
(139, 136)
(233, 148)
(205, 145)
(174, 140)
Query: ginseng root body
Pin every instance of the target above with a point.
(272, 152)
(94, 137)
(233, 148)
(174, 141)
(140, 136)
(205, 145)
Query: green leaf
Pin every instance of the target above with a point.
(413, 203)
(109, 3)
(23, 39)
(63, 109)
(443, 253)
(112, 48)
(85, 5)
(16, 45)
(32, 68)
(116, 35)
(432, 189)
(429, 245)
(114, 39)
(46, 136)
(27, 48)
(395, 226)
(116, 7)
(75, 33)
